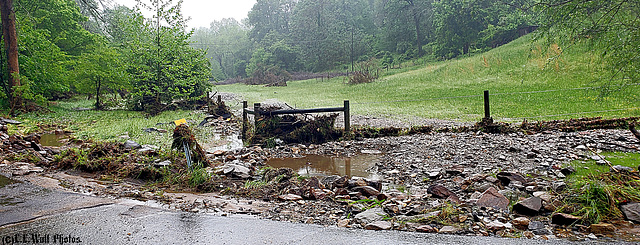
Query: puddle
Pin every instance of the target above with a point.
(52, 140)
(319, 166)
(226, 143)
(4, 181)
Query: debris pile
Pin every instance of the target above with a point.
(185, 141)
(305, 129)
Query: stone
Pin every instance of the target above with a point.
(236, 170)
(379, 225)
(448, 230)
(530, 206)
(602, 228)
(373, 152)
(344, 223)
(131, 145)
(495, 225)
(631, 212)
(163, 163)
(148, 148)
(426, 228)
(491, 198)
(9, 121)
(545, 196)
(521, 223)
(568, 171)
(535, 225)
(455, 170)
(506, 178)
(290, 197)
(528, 234)
(370, 215)
(368, 191)
(558, 186)
(439, 191)
(564, 219)
(620, 168)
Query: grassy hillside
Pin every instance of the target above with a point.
(507, 72)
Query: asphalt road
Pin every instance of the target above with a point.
(34, 215)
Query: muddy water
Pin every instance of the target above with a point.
(316, 165)
(225, 143)
(52, 140)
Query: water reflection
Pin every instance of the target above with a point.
(52, 139)
(316, 165)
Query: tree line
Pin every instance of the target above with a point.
(320, 35)
(86, 47)
(68, 48)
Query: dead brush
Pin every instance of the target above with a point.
(183, 139)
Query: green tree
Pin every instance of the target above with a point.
(163, 65)
(100, 70)
(611, 26)
(227, 45)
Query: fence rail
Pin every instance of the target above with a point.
(258, 112)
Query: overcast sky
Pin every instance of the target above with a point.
(203, 12)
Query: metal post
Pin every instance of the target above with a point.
(487, 113)
(347, 117)
(244, 119)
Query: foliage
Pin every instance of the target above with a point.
(163, 66)
(610, 27)
(100, 70)
(227, 47)
(270, 75)
(366, 72)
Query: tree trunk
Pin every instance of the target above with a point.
(98, 103)
(416, 21)
(11, 46)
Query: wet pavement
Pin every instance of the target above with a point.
(23, 201)
(124, 224)
(33, 214)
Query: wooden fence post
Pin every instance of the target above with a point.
(347, 117)
(256, 113)
(219, 100)
(245, 119)
(487, 112)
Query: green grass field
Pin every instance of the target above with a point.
(507, 72)
(109, 125)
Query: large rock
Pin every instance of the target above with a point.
(367, 191)
(449, 230)
(530, 206)
(631, 212)
(370, 216)
(507, 177)
(290, 197)
(236, 170)
(521, 223)
(131, 145)
(491, 198)
(602, 228)
(426, 228)
(379, 225)
(564, 219)
(439, 191)
(496, 225)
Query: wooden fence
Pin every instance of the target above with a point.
(258, 112)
